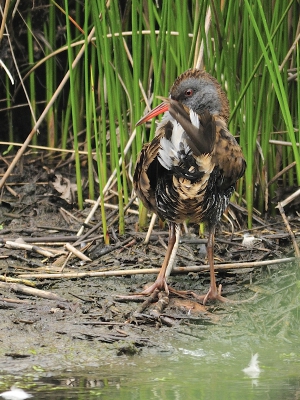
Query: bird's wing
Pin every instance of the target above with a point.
(208, 134)
(147, 172)
(227, 154)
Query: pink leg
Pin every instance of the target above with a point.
(213, 293)
(161, 280)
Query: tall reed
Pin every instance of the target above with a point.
(139, 48)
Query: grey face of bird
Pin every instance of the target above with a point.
(198, 91)
(199, 95)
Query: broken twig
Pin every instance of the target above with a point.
(288, 227)
(31, 291)
(195, 268)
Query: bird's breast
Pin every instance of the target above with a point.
(183, 179)
(173, 145)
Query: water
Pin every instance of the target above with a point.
(199, 373)
(203, 361)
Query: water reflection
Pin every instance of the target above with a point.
(201, 373)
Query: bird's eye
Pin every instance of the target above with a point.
(189, 92)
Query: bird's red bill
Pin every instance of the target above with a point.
(161, 108)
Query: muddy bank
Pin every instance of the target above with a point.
(81, 322)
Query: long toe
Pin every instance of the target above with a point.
(158, 286)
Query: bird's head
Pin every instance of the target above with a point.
(197, 90)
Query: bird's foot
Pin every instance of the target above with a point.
(161, 299)
(157, 293)
(213, 294)
(159, 285)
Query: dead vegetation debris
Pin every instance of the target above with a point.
(49, 274)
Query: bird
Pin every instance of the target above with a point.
(190, 168)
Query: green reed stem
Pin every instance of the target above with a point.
(74, 105)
